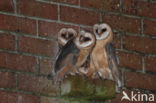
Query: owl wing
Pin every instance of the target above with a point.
(68, 53)
(112, 59)
(111, 52)
(59, 50)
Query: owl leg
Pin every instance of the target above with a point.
(110, 76)
(84, 68)
(91, 71)
(60, 75)
(105, 74)
(102, 73)
(69, 69)
(72, 69)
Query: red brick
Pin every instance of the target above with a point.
(7, 5)
(17, 24)
(150, 27)
(116, 40)
(18, 62)
(108, 5)
(7, 42)
(54, 100)
(130, 60)
(138, 80)
(123, 23)
(140, 8)
(46, 66)
(73, 2)
(37, 46)
(10, 97)
(90, 29)
(139, 44)
(7, 80)
(37, 84)
(150, 64)
(38, 9)
(49, 29)
(79, 16)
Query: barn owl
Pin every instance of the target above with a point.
(74, 54)
(103, 55)
(63, 36)
(85, 42)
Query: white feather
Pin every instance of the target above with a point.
(85, 44)
(63, 40)
(105, 34)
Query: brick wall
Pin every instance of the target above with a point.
(28, 30)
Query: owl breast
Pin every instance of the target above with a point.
(99, 55)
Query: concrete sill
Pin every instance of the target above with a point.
(87, 89)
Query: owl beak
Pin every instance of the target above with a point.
(67, 36)
(98, 31)
(84, 39)
(100, 34)
(81, 39)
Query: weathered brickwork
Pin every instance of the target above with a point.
(28, 31)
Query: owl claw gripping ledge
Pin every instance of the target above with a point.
(87, 53)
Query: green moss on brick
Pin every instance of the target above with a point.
(77, 86)
(82, 88)
(104, 90)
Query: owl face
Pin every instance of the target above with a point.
(66, 34)
(102, 31)
(85, 40)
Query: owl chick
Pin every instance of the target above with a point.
(85, 42)
(73, 55)
(64, 35)
(103, 55)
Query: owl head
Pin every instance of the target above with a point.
(85, 40)
(103, 32)
(66, 34)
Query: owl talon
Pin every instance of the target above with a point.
(96, 76)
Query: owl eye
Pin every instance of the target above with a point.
(63, 35)
(97, 31)
(104, 30)
(71, 35)
(86, 39)
(81, 38)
